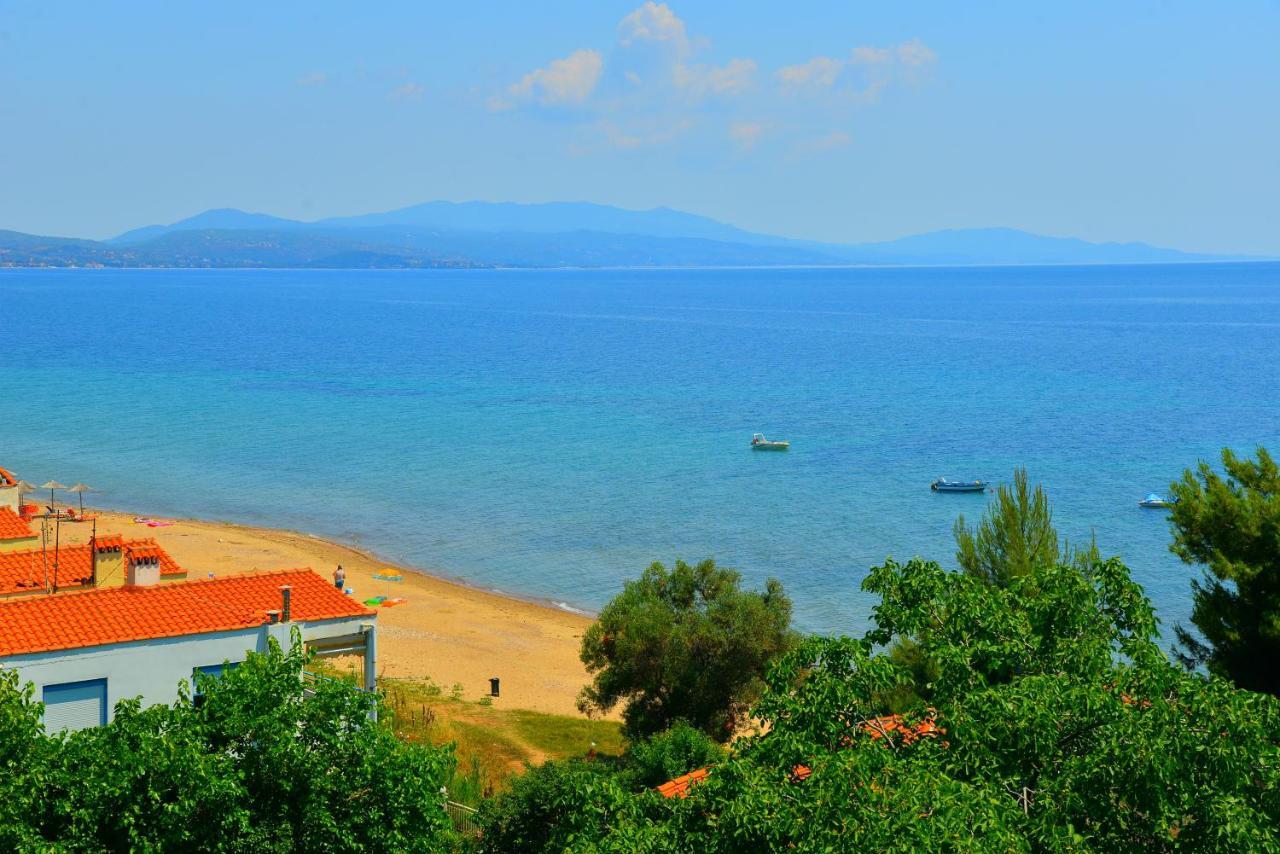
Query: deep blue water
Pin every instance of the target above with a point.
(550, 433)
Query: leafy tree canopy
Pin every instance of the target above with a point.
(684, 644)
(1015, 536)
(1231, 525)
(1056, 723)
(260, 764)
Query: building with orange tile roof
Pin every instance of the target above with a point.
(86, 651)
(15, 533)
(105, 562)
(10, 496)
(9, 490)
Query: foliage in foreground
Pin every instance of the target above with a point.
(1060, 725)
(257, 765)
(684, 644)
(1231, 525)
(1015, 536)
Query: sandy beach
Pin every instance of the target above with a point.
(447, 632)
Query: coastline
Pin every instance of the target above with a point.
(447, 631)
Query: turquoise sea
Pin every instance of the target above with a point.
(550, 433)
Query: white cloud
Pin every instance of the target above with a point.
(409, 91)
(663, 84)
(916, 54)
(745, 134)
(733, 78)
(315, 78)
(562, 81)
(873, 68)
(821, 71)
(870, 55)
(653, 22)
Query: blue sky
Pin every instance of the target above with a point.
(845, 121)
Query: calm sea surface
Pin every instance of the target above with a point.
(550, 433)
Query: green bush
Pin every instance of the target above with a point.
(258, 765)
(667, 755)
(553, 805)
(1055, 722)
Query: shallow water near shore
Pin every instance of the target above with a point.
(550, 433)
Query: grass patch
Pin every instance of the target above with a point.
(560, 736)
(491, 744)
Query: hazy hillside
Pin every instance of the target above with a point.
(219, 218)
(394, 247)
(580, 234)
(555, 217)
(1006, 246)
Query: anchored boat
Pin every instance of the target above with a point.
(760, 443)
(1154, 501)
(944, 485)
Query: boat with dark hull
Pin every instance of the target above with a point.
(942, 484)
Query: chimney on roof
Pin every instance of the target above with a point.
(143, 571)
(286, 601)
(273, 617)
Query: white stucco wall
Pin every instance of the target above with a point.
(152, 669)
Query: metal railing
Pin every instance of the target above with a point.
(463, 818)
(310, 680)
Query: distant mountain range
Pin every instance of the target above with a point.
(554, 234)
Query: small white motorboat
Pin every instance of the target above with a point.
(760, 443)
(1155, 501)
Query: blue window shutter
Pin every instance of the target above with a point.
(75, 705)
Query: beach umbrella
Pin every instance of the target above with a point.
(81, 489)
(25, 487)
(51, 486)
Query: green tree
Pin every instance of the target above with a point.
(667, 755)
(1015, 536)
(260, 764)
(25, 754)
(1057, 723)
(560, 805)
(1231, 525)
(687, 644)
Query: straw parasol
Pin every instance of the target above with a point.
(51, 486)
(81, 489)
(25, 487)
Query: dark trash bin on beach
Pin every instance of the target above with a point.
(493, 687)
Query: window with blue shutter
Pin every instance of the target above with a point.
(75, 705)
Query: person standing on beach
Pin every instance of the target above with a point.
(340, 578)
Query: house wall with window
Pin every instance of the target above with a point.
(85, 652)
(153, 669)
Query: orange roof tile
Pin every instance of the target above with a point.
(13, 526)
(895, 726)
(108, 542)
(26, 570)
(7, 478)
(679, 787)
(124, 614)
